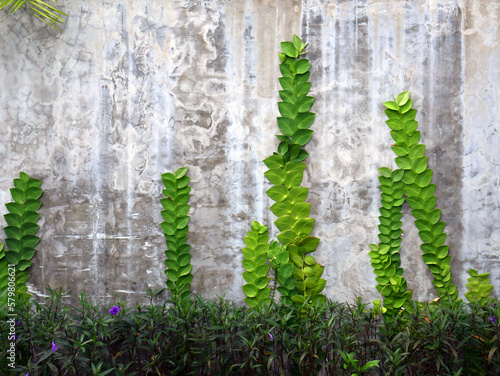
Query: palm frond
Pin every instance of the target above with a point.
(40, 9)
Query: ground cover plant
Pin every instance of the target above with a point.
(203, 337)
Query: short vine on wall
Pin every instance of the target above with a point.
(21, 240)
(175, 228)
(385, 257)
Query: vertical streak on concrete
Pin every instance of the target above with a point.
(481, 160)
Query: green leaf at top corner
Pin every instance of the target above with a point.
(289, 49)
(297, 42)
(391, 105)
(402, 98)
(385, 172)
(24, 176)
(180, 172)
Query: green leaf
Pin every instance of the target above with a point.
(287, 126)
(304, 104)
(405, 108)
(417, 151)
(297, 42)
(261, 270)
(249, 265)
(304, 226)
(400, 149)
(278, 193)
(402, 98)
(181, 172)
(385, 172)
(299, 299)
(12, 257)
(297, 194)
(442, 251)
(403, 163)
(183, 182)
(309, 244)
(274, 161)
(301, 210)
(395, 124)
(302, 66)
(29, 228)
(283, 147)
(430, 258)
(410, 126)
(423, 225)
(280, 209)
(168, 228)
(438, 228)
(409, 178)
(23, 265)
(412, 190)
(30, 241)
(426, 236)
(397, 175)
(429, 204)
(415, 202)
(294, 166)
(293, 179)
(181, 210)
(13, 232)
(15, 208)
(18, 195)
(391, 105)
(289, 49)
(285, 223)
(302, 77)
(424, 179)
(286, 237)
(414, 138)
(302, 136)
(33, 193)
(13, 244)
(302, 89)
(428, 248)
(250, 290)
(275, 176)
(20, 184)
(32, 205)
(419, 165)
(285, 72)
(286, 83)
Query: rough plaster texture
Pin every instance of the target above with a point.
(132, 89)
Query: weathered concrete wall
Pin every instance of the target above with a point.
(132, 89)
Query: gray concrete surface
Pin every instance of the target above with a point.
(131, 89)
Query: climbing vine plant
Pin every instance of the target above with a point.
(296, 271)
(413, 180)
(175, 228)
(21, 239)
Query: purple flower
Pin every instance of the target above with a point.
(114, 310)
(15, 336)
(270, 335)
(28, 374)
(491, 319)
(54, 347)
(19, 323)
